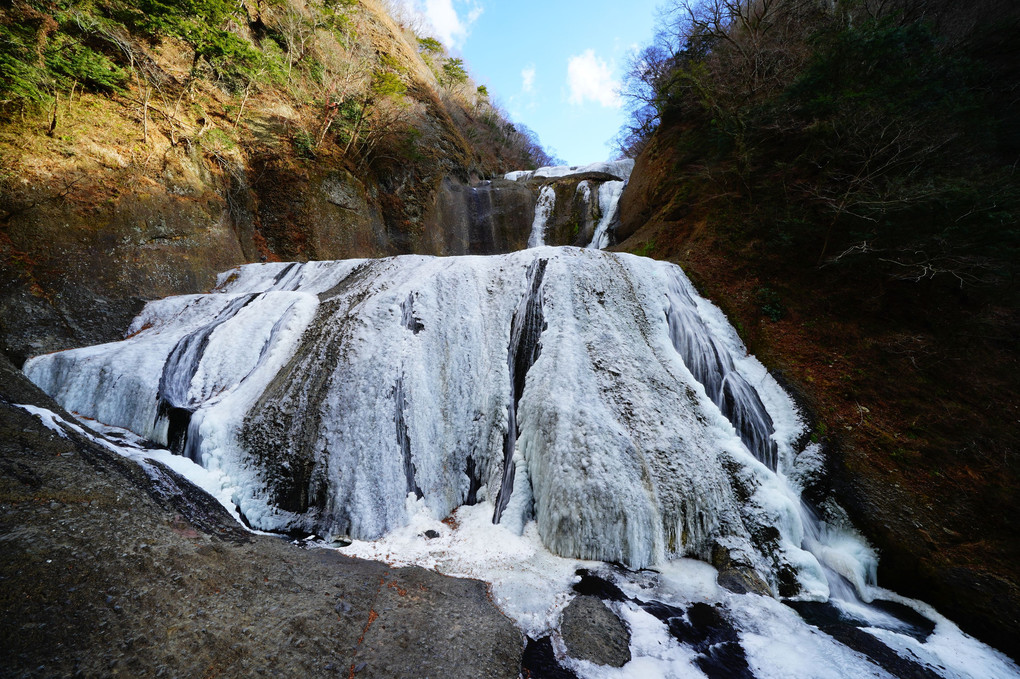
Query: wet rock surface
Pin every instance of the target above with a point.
(32, 325)
(707, 630)
(704, 628)
(593, 632)
(540, 661)
(591, 584)
(482, 219)
(737, 577)
(829, 619)
(108, 571)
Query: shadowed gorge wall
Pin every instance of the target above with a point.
(485, 218)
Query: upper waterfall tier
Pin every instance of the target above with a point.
(576, 205)
(619, 169)
(550, 206)
(570, 386)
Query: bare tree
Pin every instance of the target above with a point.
(714, 56)
(299, 34)
(345, 77)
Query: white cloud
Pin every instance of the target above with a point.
(443, 17)
(591, 79)
(448, 20)
(528, 78)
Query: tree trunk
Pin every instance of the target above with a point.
(53, 120)
(145, 116)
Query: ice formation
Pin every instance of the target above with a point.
(562, 385)
(604, 193)
(618, 168)
(609, 195)
(543, 208)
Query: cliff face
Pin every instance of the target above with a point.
(482, 219)
(911, 385)
(330, 136)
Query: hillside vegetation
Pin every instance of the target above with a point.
(841, 177)
(355, 78)
(145, 146)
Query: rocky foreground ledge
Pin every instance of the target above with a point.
(105, 571)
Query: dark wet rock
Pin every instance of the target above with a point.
(144, 575)
(847, 630)
(483, 219)
(829, 619)
(661, 610)
(593, 632)
(742, 581)
(431, 534)
(707, 630)
(539, 661)
(736, 576)
(32, 325)
(919, 626)
(593, 585)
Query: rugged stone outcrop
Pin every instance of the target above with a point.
(107, 570)
(593, 632)
(483, 218)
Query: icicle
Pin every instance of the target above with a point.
(407, 317)
(609, 201)
(403, 440)
(712, 365)
(176, 403)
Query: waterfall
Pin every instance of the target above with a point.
(174, 395)
(525, 329)
(712, 365)
(609, 199)
(564, 403)
(565, 385)
(564, 399)
(543, 209)
(599, 191)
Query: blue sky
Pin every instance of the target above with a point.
(554, 65)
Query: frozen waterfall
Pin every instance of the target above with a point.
(543, 208)
(593, 393)
(609, 195)
(596, 197)
(620, 169)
